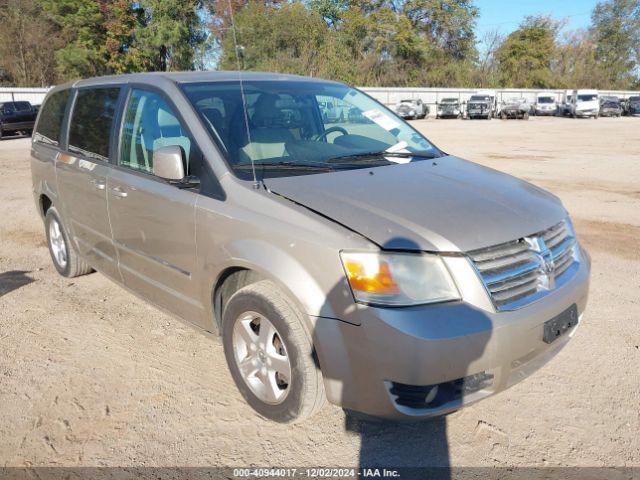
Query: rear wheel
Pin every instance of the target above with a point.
(65, 258)
(270, 354)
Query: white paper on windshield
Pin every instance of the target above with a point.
(381, 119)
(398, 147)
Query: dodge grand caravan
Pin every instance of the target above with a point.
(355, 262)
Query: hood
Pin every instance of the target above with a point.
(588, 105)
(444, 205)
(513, 105)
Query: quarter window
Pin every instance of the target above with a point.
(90, 127)
(51, 118)
(150, 124)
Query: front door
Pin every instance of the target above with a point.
(82, 171)
(152, 220)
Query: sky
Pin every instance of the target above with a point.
(506, 15)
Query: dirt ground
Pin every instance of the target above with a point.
(90, 375)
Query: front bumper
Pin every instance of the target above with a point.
(587, 113)
(545, 112)
(436, 344)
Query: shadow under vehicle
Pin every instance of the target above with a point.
(515, 107)
(354, 262)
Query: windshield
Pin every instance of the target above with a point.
(449, 100)
(634, 99)
(303, 127)
(545, 100)
(479, 98)
(587, 97)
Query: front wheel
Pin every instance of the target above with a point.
(270, 354)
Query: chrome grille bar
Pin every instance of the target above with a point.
(519, 272)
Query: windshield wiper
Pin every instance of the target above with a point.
(378, 157)
(288, 166)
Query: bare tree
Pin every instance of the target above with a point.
(27, 44)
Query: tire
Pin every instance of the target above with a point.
(503, 116)
(525, 116)
(64, 257)
(302, 394)
(1, 132)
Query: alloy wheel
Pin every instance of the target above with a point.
(57, 243)
(261, 357)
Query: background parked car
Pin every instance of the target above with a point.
(585, 103)
(515, 107)
(634, 106)
(481, 106)
(331, 112)
(610, 107)
(545, 105)
(565, 106)
(16, 117)
(412, 109)
(449, 108)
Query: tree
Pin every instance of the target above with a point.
(616, 32)
(526, 56)
(576, 64)
(448, 25)
(80, 25)
(171, 33)
(283, 39)
(122, 21)
(27, 44)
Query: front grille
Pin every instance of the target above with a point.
(518, 272)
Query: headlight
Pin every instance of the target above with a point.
(412, 112)
(398, 279)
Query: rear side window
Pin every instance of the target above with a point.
(91, 122)
(23, 106)
(51, 118)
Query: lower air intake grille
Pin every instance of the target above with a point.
(518, 272)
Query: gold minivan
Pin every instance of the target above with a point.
(339, 257)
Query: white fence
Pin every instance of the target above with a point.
(388, 96)
(35, 96)
(431, 96)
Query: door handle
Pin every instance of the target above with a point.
(118, 192)
(100, 185)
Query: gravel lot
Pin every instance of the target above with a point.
(90, 375)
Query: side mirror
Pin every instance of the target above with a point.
(168, 163)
